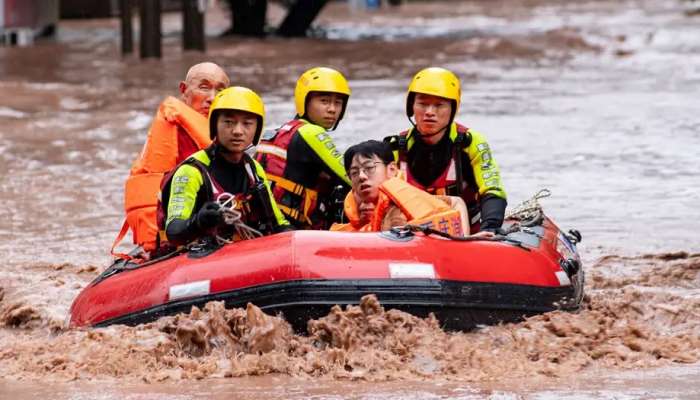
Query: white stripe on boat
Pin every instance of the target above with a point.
(192, 289)
(411, 270)
(563, 278)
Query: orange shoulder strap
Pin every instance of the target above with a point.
(380, 209)
(351, 211)
(120, 237)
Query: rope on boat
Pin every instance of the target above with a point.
(431, 231)
(233, 217)
(530, 209)
(501, 237)
(527, 213)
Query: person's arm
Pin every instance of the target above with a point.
(488, 180)
(324, 149)
(493, 209)
(181, 225)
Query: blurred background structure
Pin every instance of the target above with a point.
(21, 21)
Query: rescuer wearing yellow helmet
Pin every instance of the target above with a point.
(188, 208)
(443, 157)
(301, 159)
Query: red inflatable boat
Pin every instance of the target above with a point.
(302, 274)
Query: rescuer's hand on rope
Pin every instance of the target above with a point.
(210, 215)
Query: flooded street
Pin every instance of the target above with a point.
(595, 100)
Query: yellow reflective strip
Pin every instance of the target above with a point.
(291, 212)
(486, 171)
(185, 185)
(275, 208)
(294, 214)
(287, 185)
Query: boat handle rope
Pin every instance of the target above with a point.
(501, 237)
(529, 208)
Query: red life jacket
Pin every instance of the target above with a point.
(272, 155)
(272, 151)
(451, 181)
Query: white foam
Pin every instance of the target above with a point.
(139, 121)
(11, 113)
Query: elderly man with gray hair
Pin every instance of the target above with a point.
(179, 129)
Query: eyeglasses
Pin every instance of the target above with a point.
(368, 169)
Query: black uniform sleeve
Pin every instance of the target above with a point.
(181, 231)
(303, 164)
(493, 209)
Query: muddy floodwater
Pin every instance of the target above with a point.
(595, 100)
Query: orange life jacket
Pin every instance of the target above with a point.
(419, 207)
(159, 156)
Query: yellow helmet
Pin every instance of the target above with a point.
(241, 99)
(320, 79)
(434, 81)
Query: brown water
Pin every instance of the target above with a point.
(595, 100)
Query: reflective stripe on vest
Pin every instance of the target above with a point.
(272, 150)
(271, 153)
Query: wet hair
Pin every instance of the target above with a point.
(369, 149)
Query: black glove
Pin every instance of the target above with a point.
(210, 215)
